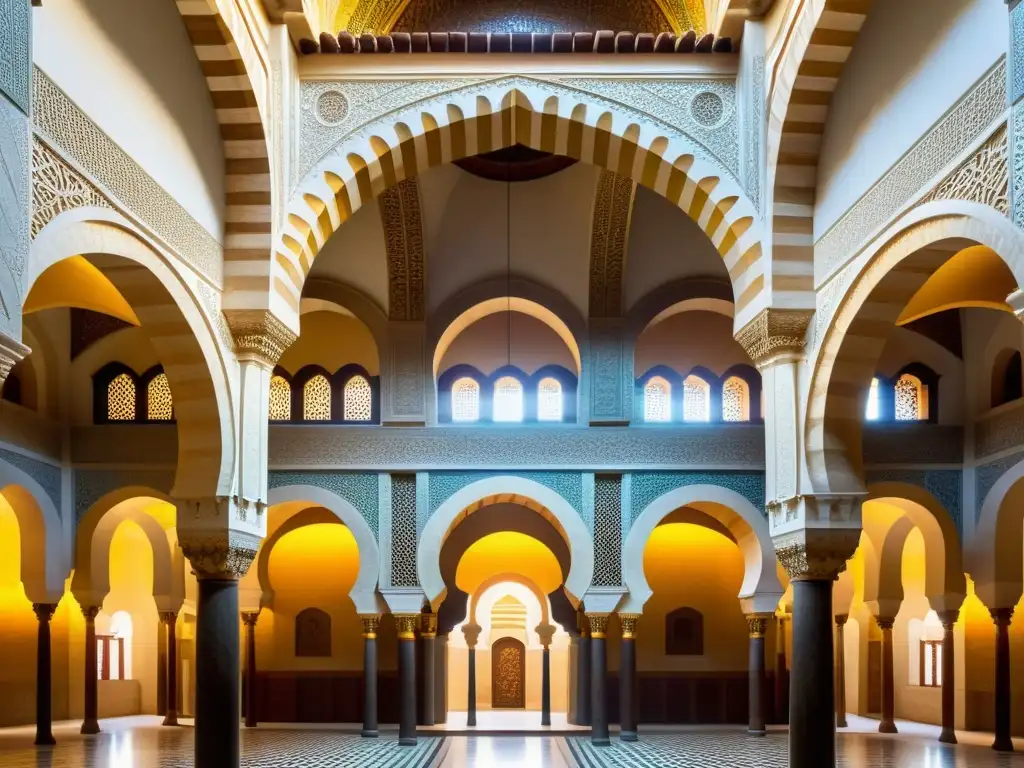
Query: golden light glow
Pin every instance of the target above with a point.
(508, 552)
(320, 560)
(74, 282)
(704, 550)
(131, 559)
(12, 591)
(974, 277)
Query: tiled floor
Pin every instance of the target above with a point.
(142, 743)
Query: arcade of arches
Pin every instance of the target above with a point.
(518, 376)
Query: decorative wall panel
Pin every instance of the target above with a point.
(986, 476)
(607, 531)
(648, 486)
(16, 51)
(535, 16)
(47, 475)
(358, 489)
(611, 374)
(93, 484)
(15, 196)
(1001, 432)
(913, 444)
(404, 539)
(444, 485)
(946, 485)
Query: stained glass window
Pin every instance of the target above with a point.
(549, 400)
(911, 399)
(358, 399)
(280, 399)
(121, 398)
(159, 405)
(735, 400)
(316, 399)
(657, 400)
(508, 399)
(696, 399)
(872, 409)
(465, 400)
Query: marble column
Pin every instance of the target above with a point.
(170, 622)
(90, 722)
(583, 680)
(407, 623)
(948, 619)
(1002, 618)
(472, 633)
(428, 667)
(781, 671)
(598, 678)
(757, 625)
(545, 632)
(887, 724)
(371, 624)
(627, 678)
(841, 620)
(250, 618)
(44, 681)
(218, 704)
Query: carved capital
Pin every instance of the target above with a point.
(428, 625)
(407, 624)
(250, 618)
(11, 353)
(949, 619)
(545, 632)
(44, 611)
(885, 623)
(841, 620)
(816, 554)
(259, 336)
(171, 617)
(598, 623)
(757, 624)
(628, 621)
(90, 612)
(775, 335)
(472, 634)
(220, 555)
(1001, 617)
(371, 625)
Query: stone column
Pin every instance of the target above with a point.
(757, 625)
(841, 620)
(371, 624)
(598, 679)
(887, 724)
(948, 619)
(472, 633)
(170, 622)
(90, 723)
(781, 671)
(545, 632)
(250, 618)
(1002, 618)
(627, 678)
(44, 681)
(428, 642)
(407, 623)
(583, 681)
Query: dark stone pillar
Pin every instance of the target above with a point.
(370, 626)
(218, 705)
(161, 669)
(781, 672)
(90, 723)
(1002, 618)
(841, 620)
(471, 692)
(887, 724)
(427, 643)
(757, 625)
(583, 681)
(407, 623)
(250, 618)
(812, 733)
(441, 679)
(948, 619)
(598, 676)
(44, 709)
(170, 622)
(627, 678)
(545, 687)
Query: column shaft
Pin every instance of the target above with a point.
(44, 683)
(218, 705)
(428, 644)
(545, 687)
(781, 673)
(370, 626)
(251, 716)
(598, 677)
(583, 682)
(170, 621)
(948, 735)
(407, 678)
(756, 625)
(841, 671)
(471, 692)
(887, 724)
(627, 679)
(1002, 618)
(90, 723)
(812, 735)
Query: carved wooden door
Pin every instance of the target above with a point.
(508, 674)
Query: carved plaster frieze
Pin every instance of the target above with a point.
(403, 239)
(15, 202)
(259, 336)
(11, 353)
(15, 52)
(816, 554)
(220, 555)
(613, 204)
(982, 178)
(999, 432)
(775, 334)
(57, 187)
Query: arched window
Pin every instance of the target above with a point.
(121, 398)
(508, 399)
(872, 409)
(114, 651)
(159, 405)
(549, 400)
(465, 400)
(357, 399)
(316, 399)
(280, 399)
(911, 399)
(657, 400)
(684, 632)
(735, 400)
(696, 399)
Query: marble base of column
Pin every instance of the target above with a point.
(888, 722)
(90, 723)
(948, 735)
(170, 621)
(841, 670)
(812, 732)
(407, 678)
(471, 688)
(218, 701)
(598, 677)
(1002, 618)
(627, 678)
(251, 715)
(757, 624)
(370, 726)
(44, 682)
(545, 687)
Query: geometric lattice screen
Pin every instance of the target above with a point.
(607, 530)
(403, 531)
